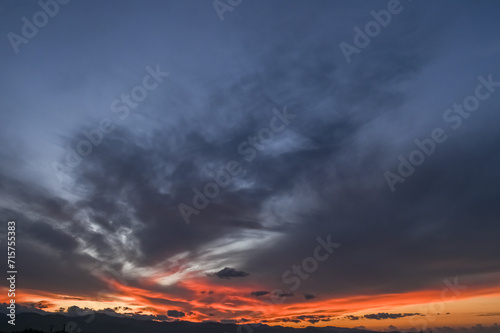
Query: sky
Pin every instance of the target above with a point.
(294, 163)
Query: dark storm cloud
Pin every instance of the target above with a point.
(228, 272)
(347, 184)
(123, 163)
(355, 204)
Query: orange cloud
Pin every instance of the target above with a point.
(230, 302)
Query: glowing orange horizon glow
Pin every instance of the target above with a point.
(237, 303)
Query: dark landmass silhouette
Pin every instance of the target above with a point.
(101, 323)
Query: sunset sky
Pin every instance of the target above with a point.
(246, 162)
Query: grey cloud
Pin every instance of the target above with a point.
(228, 272)
(175, 313)
(309, 296)
(259, 293)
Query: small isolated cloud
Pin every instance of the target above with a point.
(259, 293)
(351, 317)
(228, 273)
(175, 313)
(71, 298)
(78, 311)
(290, 320)
(313, 319)
(309, 296)
(384, 315)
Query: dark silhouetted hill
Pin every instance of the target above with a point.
(109, 324)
